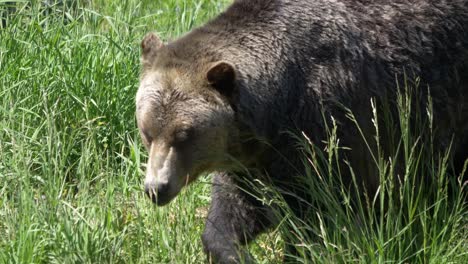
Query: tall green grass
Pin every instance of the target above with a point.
(71, 161)
(419, 214)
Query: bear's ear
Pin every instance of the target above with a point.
(150, 46)
(222, 77)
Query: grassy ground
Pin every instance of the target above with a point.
(71, 159)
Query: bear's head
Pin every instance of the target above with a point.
(185, 117)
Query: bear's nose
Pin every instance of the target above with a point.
(157, 193)
(163, 189)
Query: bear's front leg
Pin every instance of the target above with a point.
(234, 219)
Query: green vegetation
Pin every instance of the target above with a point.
(404, 223)
(71, 161)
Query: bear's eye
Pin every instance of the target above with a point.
(147, 138)
(182, 135)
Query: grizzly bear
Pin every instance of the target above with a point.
(222, 98)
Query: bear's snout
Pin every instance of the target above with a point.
(158, 193)
(163, 179)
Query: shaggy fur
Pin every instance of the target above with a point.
(286, 61)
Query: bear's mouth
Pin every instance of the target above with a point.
(160, 200)
(159, 196)
(163, 193)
